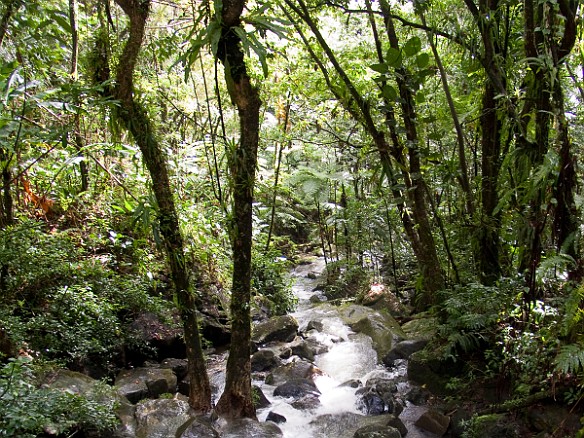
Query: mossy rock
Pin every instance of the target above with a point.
(422, 327)
(380, 326)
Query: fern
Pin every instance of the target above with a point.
(570, 359)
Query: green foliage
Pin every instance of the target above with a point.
(62, 300)
(270, 280)
(29, 410)
(471, 314)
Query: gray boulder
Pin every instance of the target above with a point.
(433, 422)
(296, 388)
(246, 427)
(264, 360)
(377, 431)
(403, 350)
(298, 369)
(279, 328)
(161, 418)
(197, 427)
(139, 383)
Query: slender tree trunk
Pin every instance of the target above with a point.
(79, 143)
(236, 400)
(11, 7)
(136, 120)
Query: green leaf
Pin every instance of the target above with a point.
(379, 68)
(422, 60)
(420, 97)
(413, 46)
(394, 57)
(389, 92)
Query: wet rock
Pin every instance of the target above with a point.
(418, 395)
(315, 325)
(376, 402)
(403, 350)
(276, 418)
(178, 367)
(279, 328)
(379, 297)
(161, 418)
(306, 403)
(303, 348)
(380, 326)
(377, 431)
(260, 400)
(296, 388)
(344, 425)
(318, 298)
(140, 383)
(197, 427)
(126, 413)
(433, 422)
(264, 360)
(298, 369)
(246, 427)
(394, 421)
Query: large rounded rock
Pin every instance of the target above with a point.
(377, 431)
(197, 427)
(296, 388)
(344, 425)
(161, 418)
(140, 383)
(277, 329)
(298, 369)
(246, 427)
(433, 422)
(264, 360)
(403, 350)
(380, 326)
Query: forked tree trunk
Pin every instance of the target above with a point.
(136, 120)
(236, 400)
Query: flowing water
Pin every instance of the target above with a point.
(350, 357)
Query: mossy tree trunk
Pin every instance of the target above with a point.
(136, 120)
(236, 400)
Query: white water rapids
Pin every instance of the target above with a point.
(350, 357)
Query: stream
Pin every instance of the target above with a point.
(350, 358)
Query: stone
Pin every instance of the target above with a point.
(276, 418)
(178, 366)
(403, 350)
(395, 422)
(553, 418)
(344, 425)
(296, 388)
(380, 326)
(279, 328)
(264, 360)
(246, 427)
(161, 418)
(422, 327)
(306, 402)
(260, 400)
(298, 369)
(197, 427)
(303, 349)
(165, 339)
(377, 431)
(418, 395)
(139, 383)
(433, 422)
(314, 325)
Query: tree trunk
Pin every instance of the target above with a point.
(236, 400)
(136, 120)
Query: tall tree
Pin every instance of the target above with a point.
(236, 400)
(135, 118)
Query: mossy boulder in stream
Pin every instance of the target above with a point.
(277, 329)
(380, 326)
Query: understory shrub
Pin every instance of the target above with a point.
(29, 410)
(270, 279)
